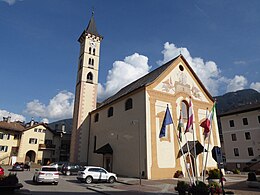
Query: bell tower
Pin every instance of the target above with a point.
(86, 90)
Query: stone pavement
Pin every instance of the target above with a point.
(234, 183)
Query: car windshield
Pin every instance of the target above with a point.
(48, 169)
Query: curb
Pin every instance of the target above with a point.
(101, 192)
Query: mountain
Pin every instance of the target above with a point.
(233, 100)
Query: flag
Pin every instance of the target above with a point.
(166, 121)
(189, 127)
(206, 124)
(180, 125)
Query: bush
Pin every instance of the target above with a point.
(215, 188)
(214, 174)
(9, 180)
(200, 189)
(182, 186)
(236, 171)
(178, 174)
(251, 176)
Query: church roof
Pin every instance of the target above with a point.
(91, 28)
(139, 83)
(148, 79)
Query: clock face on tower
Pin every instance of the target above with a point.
(92, 44)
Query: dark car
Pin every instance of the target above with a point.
(58, 165)
(70, 168)
(18, 167)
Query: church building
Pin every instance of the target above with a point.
(122, 133)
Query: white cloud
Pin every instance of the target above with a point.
(123, 73)
(14, 117)
(237, 83)
(255, 86)
(10, 2)
(59, 107)
(208, 72)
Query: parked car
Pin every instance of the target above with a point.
(2, 172)
(70, 168)
(57, 165)
(46, 174)
(18, 167)
(91, 173)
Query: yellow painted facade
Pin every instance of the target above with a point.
(35, 143)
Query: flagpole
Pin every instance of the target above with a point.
(183, 158)
(191, 166)
(211, 124)
(203, 156)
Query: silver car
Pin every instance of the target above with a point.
(46, 174)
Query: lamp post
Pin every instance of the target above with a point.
(139, 152)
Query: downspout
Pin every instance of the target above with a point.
(89, 127)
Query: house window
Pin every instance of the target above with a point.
(39, 130)
(90, 77)
(245, 121)
(89, 61)
(32, 141)
(110, 112)
(16, 136)
(231, 123)
(44, 130)
(258, 119)
(129, 104)
(250, 151)
(48, 142)
(94, 51)
(92, 62)
(184, 109)
(233, 137)
(96, 117)
(35, 130)
(3, 148)
(236, 152)
(247, 135)
(4, 136)
(89, 50)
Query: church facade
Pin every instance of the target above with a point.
(122, 133)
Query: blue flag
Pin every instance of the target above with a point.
(166, 121)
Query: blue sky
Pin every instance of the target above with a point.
(39, 49)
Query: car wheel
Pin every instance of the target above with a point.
(88, 179)
(111, 180)
(34, 180)
(67, 173)
(55, 183)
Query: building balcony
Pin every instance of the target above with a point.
(46, 147)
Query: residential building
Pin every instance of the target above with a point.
(122, 133)
(241, 133)
(34, 142)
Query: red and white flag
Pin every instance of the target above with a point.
(189, 127)
(207, 123)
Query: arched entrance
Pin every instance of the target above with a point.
(30, 156)
(190, 163)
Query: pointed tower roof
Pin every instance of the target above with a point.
(92, 29)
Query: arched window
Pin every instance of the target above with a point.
(184, 109)
(90, 77)
(110, 112)
(129, 104)
(92, 62)
(94, 51)
(96, 117)
(89, 50)
(89, 61)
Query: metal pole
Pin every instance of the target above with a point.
(140, 174)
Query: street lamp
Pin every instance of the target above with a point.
(134, 122)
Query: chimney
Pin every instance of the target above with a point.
(9, 119)
(32, 122)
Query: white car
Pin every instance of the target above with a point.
(91, 173)
(46, 174)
